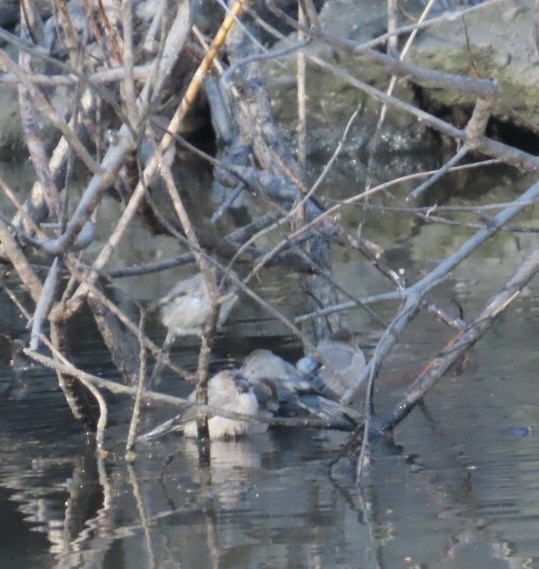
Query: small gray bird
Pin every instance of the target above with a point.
(186, 309)
(293, 395)
(337, 362)
(228, 390)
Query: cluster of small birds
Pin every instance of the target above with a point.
(265, 385)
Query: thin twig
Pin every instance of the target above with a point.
(135, 417)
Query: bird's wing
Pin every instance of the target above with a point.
(337, 415)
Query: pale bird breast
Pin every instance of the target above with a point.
(184, 313)
(221, 427)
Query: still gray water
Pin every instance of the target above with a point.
(458, 488)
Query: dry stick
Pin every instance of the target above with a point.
(461, 342)
(211, 54)
(80, 275)
(100, 182)
(82, 100)
(50, 191)
(474, 139)
(65, 24)
(44, 303)
(402, 55)
(148, 45)
(113, 160)
(59, 157)
(120, 343)
(211, 284)
(392, 25)
(20, 263)
(430, 307)
(416, 292)
(393, 82)
(387, 272)
(301, 98)
(70, 71)
(31, 23)
(128, 85)
(359, 243)
(428, 78)
(140, 73)
(272, 154)
(428, 210)
(112, 34)
(111, 50)
(176, 38)
(73, 390)
(209, 277)
(35, 143)
(232, 241)
(453, 161)
(135, 417)
(392, 47)
(343, 306)
(27, 222)
(78, 406)
(448, 16)
(254, 39)
(92, 25)
(103, 414)
(48, 112)
(64, 366)
(268, 55)
(428, 218)
(475, 129)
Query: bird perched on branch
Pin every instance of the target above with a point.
(336, 364)
(187, 307)
(228, 390)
